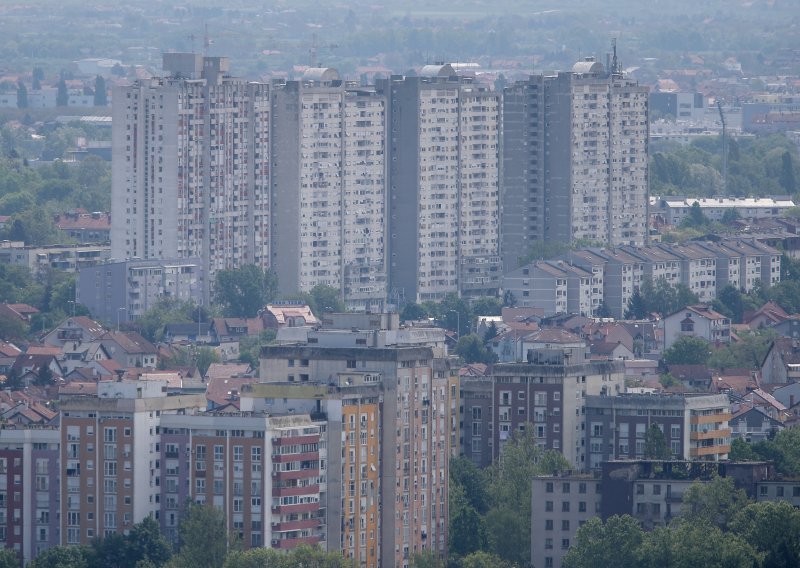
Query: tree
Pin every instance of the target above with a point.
(22, 95)
(637, 307)
(8, 558)
(62, 95)
(772, 527)
(783, 449)
(12, 328)
(204, 357)
(687, 351)
(327, 299)
(713, 503)
(472, 349)
(425, 559)
(696, 219)
(655, 444)
(692, 544)
(146, 543)
(741, 451)
(787, 179)
(509, 519)
(203, 537)
(245, 290)
(467, 531)
(483, 559)
(413, 312)
(613, 543)
(13, 381)
(100, 94)
(44, 377)
(64, 557)
(464, 473)
(491, 332)
(487, 306)
(667, 380)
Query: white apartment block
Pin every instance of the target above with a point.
(329, 188)
(610, 276)
(190, 173)
(444, 197)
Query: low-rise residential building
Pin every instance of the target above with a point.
(29, 489)
(693, 426)
(673, 209)
(548, 391)
(559, 506)
(63, 258)
(123, 291)
(85, 227)
(696, 321)
(651, 491)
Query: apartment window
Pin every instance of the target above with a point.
(640, 488)
(565, 488)
(564, 525)
(582, 507)
(351, 363)
(548, 544)
(548, 524)
(548, 487)
(564, 543)
(548, 506)
(238, 453)
(219, 452)
(675, 431)
(109, 434)
(565, 506)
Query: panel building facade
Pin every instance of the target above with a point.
(444, 176)
(575, 154)
(191, 166)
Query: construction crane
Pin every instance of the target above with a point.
(315, 47)
(724, 149)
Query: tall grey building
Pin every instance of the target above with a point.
(444, 186)
(575, 160)
(329, 188)
(191, 166)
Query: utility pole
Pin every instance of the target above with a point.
(724, 149)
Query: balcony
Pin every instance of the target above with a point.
(287, 491)
(295, 525)
(285, 458)
(299, 508)
(296, 474)
(710, 418)
(710, 434)
(289, 543)
(709, 451)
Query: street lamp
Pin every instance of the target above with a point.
(458, 325)
(118, 311)
(73, 306)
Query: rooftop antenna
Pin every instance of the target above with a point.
(614, 60)
(192, 37)
(724, 149)
(206, 42)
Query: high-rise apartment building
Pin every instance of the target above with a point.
(329, 188)
(383, 394)
(444, 144)
(191, 166)
(110, 456)
(575, 154)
